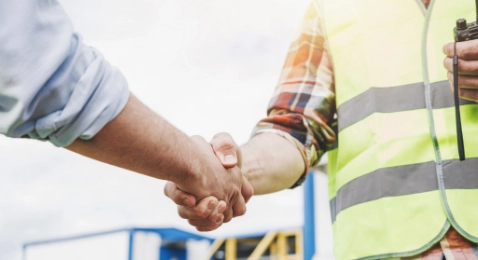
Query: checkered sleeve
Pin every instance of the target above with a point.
(302, 108)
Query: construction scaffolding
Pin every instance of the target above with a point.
(274, 245)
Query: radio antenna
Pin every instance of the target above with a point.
(476, 7)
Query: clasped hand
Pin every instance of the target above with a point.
(219, 191)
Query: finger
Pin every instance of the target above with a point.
(213, 219)
(246, 190)
(216, 215)
(179, 197)
(239, 208)
(465, 67)
(205, 227)
(464, 81)
(202, 210)
(207, 222)
(464, 92)
(228, 215)
(467, 50)
(227, 151)
(468, 94)
(448, 49)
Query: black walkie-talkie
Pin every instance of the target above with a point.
(463, 32)
(466, 31)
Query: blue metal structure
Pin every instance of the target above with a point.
(167, 253)
(172, 235)
(309, 217)
(130, 244)
(168, 236)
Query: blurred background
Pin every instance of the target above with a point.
(206, 66)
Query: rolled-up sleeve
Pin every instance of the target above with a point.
(52, 86)
(302, 108)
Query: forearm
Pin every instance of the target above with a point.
(271, 163)
(142, 141)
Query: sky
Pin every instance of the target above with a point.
(207, 66)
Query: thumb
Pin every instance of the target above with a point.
(226, 150)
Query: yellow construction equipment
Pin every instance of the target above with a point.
(275, 245)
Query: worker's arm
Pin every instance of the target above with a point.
(467, 53)
(300, 125)
(54, 87)
(141, 141)
(270, 163)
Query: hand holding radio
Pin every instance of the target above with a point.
(462, 65)
(467, 67)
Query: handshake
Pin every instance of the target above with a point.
(216, 190)
(206, 180)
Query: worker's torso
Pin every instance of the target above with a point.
(396, 170)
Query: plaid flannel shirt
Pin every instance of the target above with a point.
(302, 108)
(303, 111)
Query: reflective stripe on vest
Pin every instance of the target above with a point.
(389, 182)
(395, 183)
(395, 99)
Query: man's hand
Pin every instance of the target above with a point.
(210, 213)
(271, 163)
(467, 67)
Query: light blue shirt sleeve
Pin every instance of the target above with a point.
(52, 86)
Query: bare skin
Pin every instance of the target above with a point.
(467, 67)
(270, 163)
(142, 141)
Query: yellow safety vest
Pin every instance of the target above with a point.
(395, 181)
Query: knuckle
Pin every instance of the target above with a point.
(466, 53)
(446, 48)
(446, 63)
(227, 146)
(200, 229)
(168, 188)
(202, 212)
(178, 201)
(203, 229)
(228, 216)
(467, 66)
(241, 211)
(464, 66)
(227, 220)
(212, 217)
(224, 140)
(248, 194)
(182, 214)
(194, 223)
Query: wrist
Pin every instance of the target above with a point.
(191, 176)
(253, 167)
